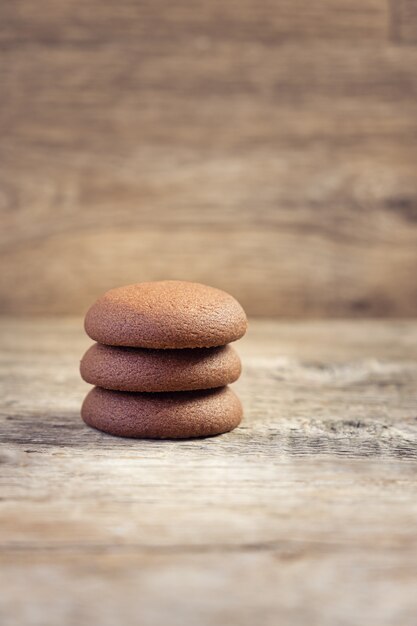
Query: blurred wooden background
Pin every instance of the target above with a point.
(269, 148)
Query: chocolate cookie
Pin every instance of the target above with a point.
(138, 369)
(167, 314)
(177, 415)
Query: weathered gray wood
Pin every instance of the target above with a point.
(305, 514)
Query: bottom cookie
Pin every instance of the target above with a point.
(175, 415)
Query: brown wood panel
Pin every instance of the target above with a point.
(404, 21)
(271, 271)
(366, 193)
(160, 20)
(261, 135)
(215, 168)
(305, 514)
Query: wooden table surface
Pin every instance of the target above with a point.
(306, 514)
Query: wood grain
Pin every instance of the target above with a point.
(87, 21)
(404, 21)
(260, 267)
(268, 151)
(304, 514)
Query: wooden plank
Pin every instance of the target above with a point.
(404, 21)
(283, 362)
(304, 506)
(91, 21)
(298, 584)
(365, 189)
(271, 272)
(127, 76)
(113, 150)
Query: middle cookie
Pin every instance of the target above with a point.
(138, 369)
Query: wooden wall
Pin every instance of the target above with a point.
(267, 147)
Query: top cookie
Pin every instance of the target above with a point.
(166, 314)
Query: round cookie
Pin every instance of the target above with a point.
(166, 314)
(138, 369)
(179, 415)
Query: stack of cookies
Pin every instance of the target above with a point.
(162, 362)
